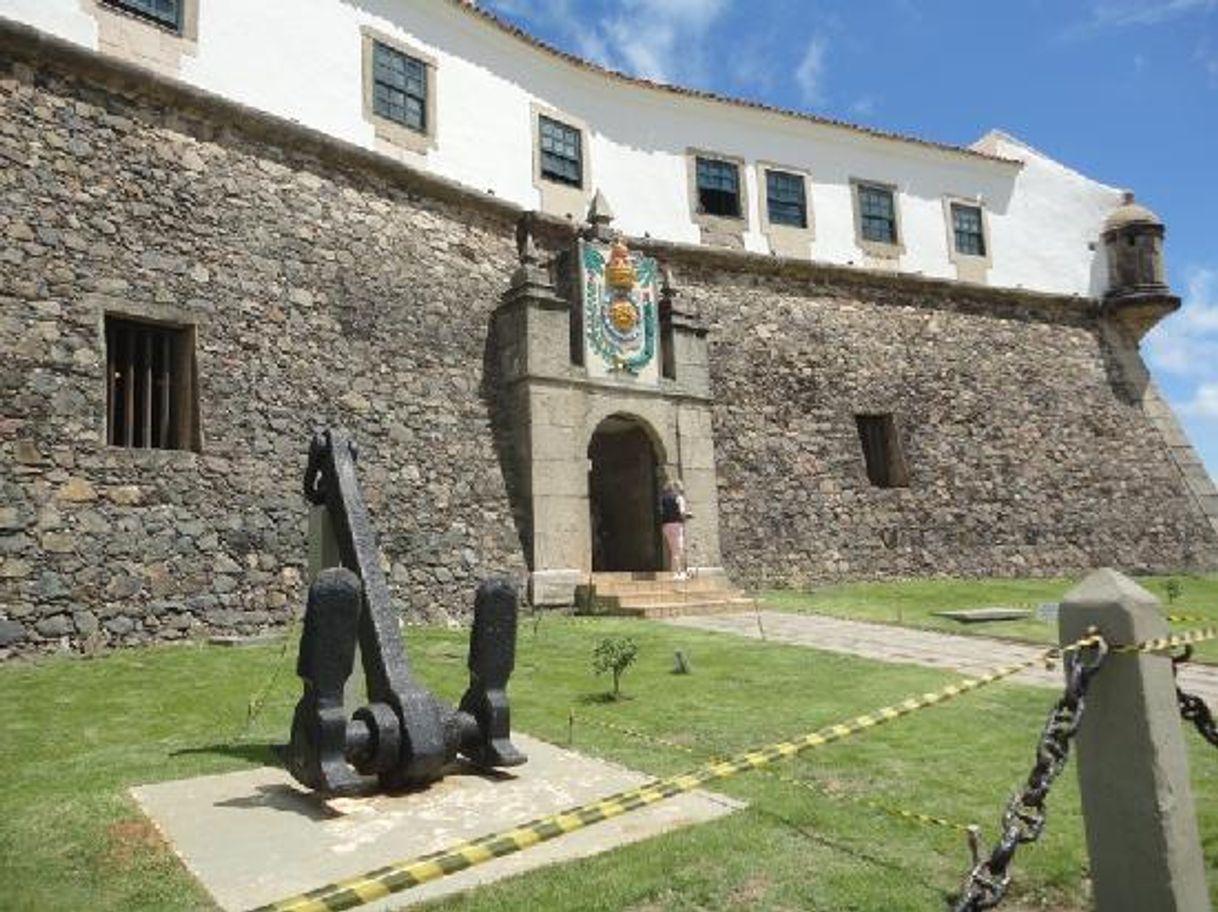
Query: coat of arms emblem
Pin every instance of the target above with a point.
(621, 290)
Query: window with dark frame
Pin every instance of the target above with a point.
(878, 214)
(561, 152)
(968, 230)
(399, 87)
(718, 187)
(882, 451)
(149, 385)
(163, 12)
(785, 199)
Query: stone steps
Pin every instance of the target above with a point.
(658, 595)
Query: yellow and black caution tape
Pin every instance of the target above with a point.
(806, 785)
(1187, 619)
(1162, 644)
(374, 885)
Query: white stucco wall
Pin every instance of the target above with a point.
(1055, 220)
(301, 60)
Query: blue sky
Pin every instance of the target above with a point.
(1125, 91)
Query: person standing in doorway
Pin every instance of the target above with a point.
(672, 524)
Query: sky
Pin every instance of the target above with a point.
(1124, 91)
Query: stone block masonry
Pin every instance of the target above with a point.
(1026, 454)
(327, 285)
(316, 297)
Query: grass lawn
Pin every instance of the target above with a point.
(912, 603)
(75, 734)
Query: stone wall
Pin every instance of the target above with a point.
(328, 286)
(1027, 452)
(318, 296)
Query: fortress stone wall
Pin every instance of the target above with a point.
(1027, 447)
(317, 296)
(327, 285)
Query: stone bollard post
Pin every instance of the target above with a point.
(1132, 766)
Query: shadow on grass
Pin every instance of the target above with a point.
(909, 872)
(260, 753)
(602, 699)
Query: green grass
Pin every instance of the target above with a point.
(912, 603)
(74, 735)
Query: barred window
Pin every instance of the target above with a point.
(785, 200)
(149, 385)
(877, 212)
(718, 187)
(967, 227)
(399, 87)
(561, 152)
(163, 12)
(882, 451)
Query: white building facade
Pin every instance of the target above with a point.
(480, 95)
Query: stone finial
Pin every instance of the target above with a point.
(530, 273)
(600, 214)
(526, 246)
(668, 284)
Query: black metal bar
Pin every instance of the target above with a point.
(146, 392)
(128, 389)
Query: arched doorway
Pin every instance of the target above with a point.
(622, 497)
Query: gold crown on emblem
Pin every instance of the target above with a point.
(619, 272)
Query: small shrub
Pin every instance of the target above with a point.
(1174, 589)
(614, 655)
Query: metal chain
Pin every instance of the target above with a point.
(1192, 707)
(1023, 821)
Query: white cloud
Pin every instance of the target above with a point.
(660, 40)
(810, 74)
(1207, 56)
(1120, 13)
(753, 68)
(1204, 403)
(1186, 344)
(1183, 351)
(863, 107)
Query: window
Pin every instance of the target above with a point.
(149, 385)
(718, 187)
(561, 152)
(882, 451)
(163, 12)
(785, 201)
(877, 214)
(399, 87)
(967, 228)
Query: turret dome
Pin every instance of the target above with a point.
(1130, 213)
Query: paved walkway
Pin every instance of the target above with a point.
(967, 654)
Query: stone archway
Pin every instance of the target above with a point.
(622, 494)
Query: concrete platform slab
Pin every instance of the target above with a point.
(982, 615)
(255, 836)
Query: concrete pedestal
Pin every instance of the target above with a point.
(255, 836)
